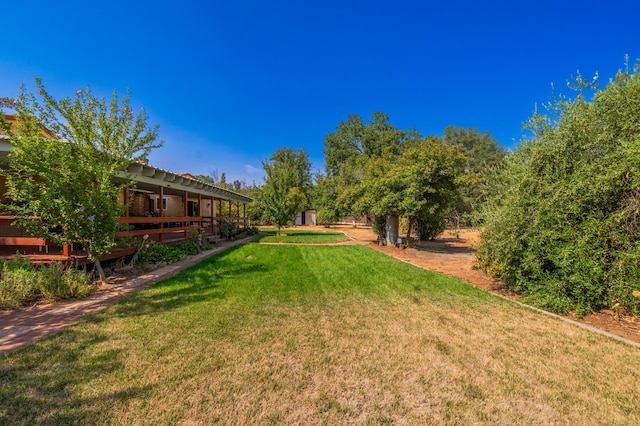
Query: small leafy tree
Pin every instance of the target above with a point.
(324, 200)
(62, 166)
(287, 186)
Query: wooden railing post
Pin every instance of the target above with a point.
(127, 194)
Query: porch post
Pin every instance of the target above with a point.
(213, 214)
(244, 214)
(185, 209)
(238, 215)
(200, 210)
(161, 211)
(126, 201)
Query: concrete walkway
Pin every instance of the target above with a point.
(23, 326)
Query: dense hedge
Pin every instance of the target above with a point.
(562, 223)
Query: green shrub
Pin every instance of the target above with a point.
(15, 263)
(227, 229)
(378, 225)
(21, 282)
(253, 230)
(154, 253)
(17, 286)
(562, 221)
(55, 282)
(428, 228)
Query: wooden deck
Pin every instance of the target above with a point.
(164, 230)
(47, 254)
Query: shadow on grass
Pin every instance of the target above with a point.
(197, 284)
(301, 233)
(47, 382)
(302, 237)
(442, 247)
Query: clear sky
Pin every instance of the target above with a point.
(231, 81)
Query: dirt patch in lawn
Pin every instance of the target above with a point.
(454, 256)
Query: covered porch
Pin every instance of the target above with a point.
(164, 206)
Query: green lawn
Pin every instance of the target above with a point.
(265, 334)
(292, 236)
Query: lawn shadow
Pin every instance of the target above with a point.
(290, 233)
(43, 385)
(444, 246)
(196, 284)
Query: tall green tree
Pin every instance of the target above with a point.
(349, 149)
(287, 186)
(64, 157)
(420, 184)
(379, 169)
(482, 153)
(562, 222)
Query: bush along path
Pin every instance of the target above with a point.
(23, 326)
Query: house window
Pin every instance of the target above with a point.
(164, 204)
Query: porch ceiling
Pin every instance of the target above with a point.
(149, 178)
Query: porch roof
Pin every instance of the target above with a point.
(149, 178)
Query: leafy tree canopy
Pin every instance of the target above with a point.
(563, 214)
(65, 154)
(482, 153)
(287, 186)
(348, 151)
(379, 169)
(419, 184)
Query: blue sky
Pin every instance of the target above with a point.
(229, 82)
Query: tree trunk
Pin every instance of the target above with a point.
(411, 222)
(98, 269)
(391, 229)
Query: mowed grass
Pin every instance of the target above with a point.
(319, 335)
(293, 236)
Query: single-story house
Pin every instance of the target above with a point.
(164, 205)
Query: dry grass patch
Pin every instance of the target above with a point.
(319, 335)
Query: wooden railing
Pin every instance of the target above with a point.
(144, 225)
(151, 225)
(19, 240)
(159, 225)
